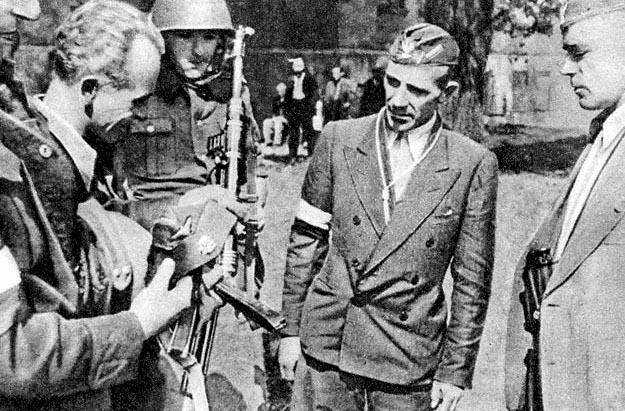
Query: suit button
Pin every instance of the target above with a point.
(430, 242)
(122, 277)
(359, 299)
(358, 266)
(45, 151)
(356, 220)
(403, 316)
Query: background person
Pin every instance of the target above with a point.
(273, 127)
(301, 96)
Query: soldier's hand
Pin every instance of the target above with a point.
(445, 397)
(155, 305)
(210, 278)
(288, 355)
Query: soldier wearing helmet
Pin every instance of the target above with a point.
(175, 139)
(12, 96)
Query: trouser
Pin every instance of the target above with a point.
(335, 111)
(319, 386)
(273, 126)
(301, 116)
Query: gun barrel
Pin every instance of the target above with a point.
(253, 309)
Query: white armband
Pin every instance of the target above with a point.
(9, 271)
(313, 216)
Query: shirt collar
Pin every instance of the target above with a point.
(81, 153)
(418, 138)
(612, 126)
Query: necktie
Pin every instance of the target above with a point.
(401, 164)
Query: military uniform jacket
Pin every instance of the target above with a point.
(376, 307)
(50, 356)
(174, 142)
(582, 315)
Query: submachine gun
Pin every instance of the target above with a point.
(537, 270)
(190, 343)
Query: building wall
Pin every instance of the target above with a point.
(547, 100)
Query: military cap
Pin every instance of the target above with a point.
(575, 10)
(424, 44)
(194, 231)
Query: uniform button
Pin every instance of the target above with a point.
(355, 262)
(403, 316)
(429, 243)
(122, 277)
(356, 220)
(45, 151)
(150, 128)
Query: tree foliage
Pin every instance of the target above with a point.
(526, 17)
(472, 23)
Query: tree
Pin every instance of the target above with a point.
(471, 23)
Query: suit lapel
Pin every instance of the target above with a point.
(362, 164)
(603, 210)
(430, 181)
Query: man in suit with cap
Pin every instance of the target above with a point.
(581, 311)
(403, 200)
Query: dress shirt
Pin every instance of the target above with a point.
(298, 87)
(79, 150)
(597, 158)
(406, 151)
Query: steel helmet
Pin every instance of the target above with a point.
(191, 15)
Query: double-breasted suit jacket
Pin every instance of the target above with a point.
(376, 307)
(582, 314)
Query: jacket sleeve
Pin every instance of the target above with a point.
(308, 242)
(471, 270)
(44, 354)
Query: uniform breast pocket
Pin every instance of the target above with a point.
(155, 146)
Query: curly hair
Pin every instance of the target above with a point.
(96, 38)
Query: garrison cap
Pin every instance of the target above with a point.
(424, 44)
(195, 230)
(575, 10)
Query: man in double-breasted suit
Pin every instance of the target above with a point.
(582, 319)
(391, 201)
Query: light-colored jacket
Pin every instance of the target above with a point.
(582, 315)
